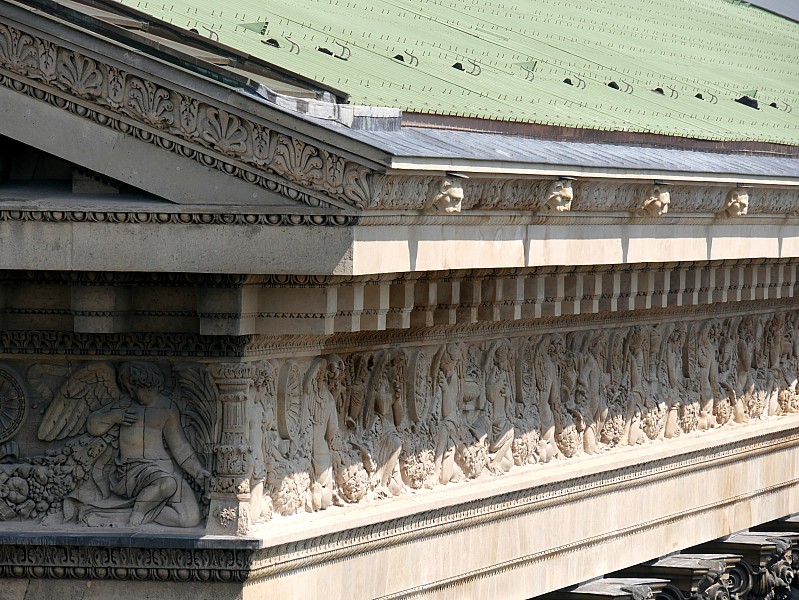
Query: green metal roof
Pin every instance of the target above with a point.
(516, 56)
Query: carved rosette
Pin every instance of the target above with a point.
(291, 409)
(13, 405)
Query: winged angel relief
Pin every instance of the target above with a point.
(132, 452)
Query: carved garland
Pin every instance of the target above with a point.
(234, 145)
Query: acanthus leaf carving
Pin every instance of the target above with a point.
(264, 145)
(150, 102)
(18, 50)
(79, 75)
(223, 131)
(188, 114)
(298, 162)
(116, 87)
(48, 54)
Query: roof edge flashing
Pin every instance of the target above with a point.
(368, 118)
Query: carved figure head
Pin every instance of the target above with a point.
(677, 335)
(557, 345)
(737, 204)
(746, 329)
(451, 356)
(134, 376)
(447, 198)
(502, 354)
(334, 374)
(559, 196)
(636, 337)
(656, 203)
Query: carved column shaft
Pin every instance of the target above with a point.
(230, 490)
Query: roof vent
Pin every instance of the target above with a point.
(748, 101)
(271, 42)
(568, 81)
(343, 55)
(627, 89)
(401, 58)
(659, 90)
(474, 70)
(700, 96)
(773, 105)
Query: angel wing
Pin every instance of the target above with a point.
(45, 379)
(90, 388)
(198, 399)
(540, 354)
(372, 389)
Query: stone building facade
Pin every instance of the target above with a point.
(247, 351)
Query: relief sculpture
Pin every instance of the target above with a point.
(126, 448)
(138, 443)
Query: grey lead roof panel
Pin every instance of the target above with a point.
(436, 144)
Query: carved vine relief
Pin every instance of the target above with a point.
(133, 443)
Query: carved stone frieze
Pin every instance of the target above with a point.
(377, 423)
(504, 194)
(593, 196)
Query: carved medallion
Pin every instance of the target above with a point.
(13, 406)
(289, 401)
(420, 384)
